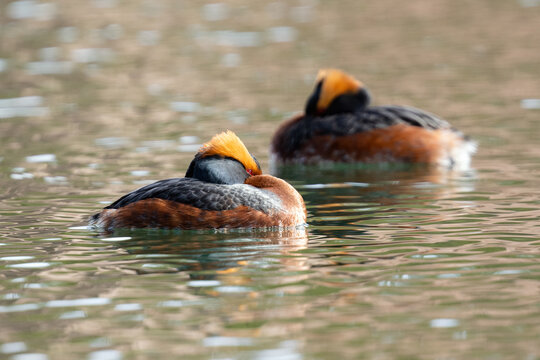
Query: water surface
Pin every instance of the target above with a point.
(102, 97)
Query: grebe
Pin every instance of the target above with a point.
(339, 126)
(223, 188)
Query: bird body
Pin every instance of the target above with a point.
(223, 188)
(339, 126)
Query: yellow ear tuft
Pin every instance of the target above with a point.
(227, 144)
(335, 83)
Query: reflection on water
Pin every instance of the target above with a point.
(202, 253)
(99, 98)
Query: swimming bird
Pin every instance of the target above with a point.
(340, 125)
(223, 188)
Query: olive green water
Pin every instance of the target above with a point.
(397, 263)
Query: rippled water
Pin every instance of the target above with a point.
(397, 262)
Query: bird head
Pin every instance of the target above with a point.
(336, 92)
(224, 160)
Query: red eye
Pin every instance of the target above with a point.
(249, 171)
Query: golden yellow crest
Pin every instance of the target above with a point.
(229, 145)
(335, 83)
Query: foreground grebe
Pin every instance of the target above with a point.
(223, 188)
(340, 126)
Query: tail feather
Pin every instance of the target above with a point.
(94, 220)
(461, 154)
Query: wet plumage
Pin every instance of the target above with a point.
(223, 188)
(339, 125)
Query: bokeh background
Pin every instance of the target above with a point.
(98, 97)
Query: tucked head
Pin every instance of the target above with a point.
(224, 160)
(336, 92)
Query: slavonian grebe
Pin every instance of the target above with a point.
(339, 126)
(223, 188)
